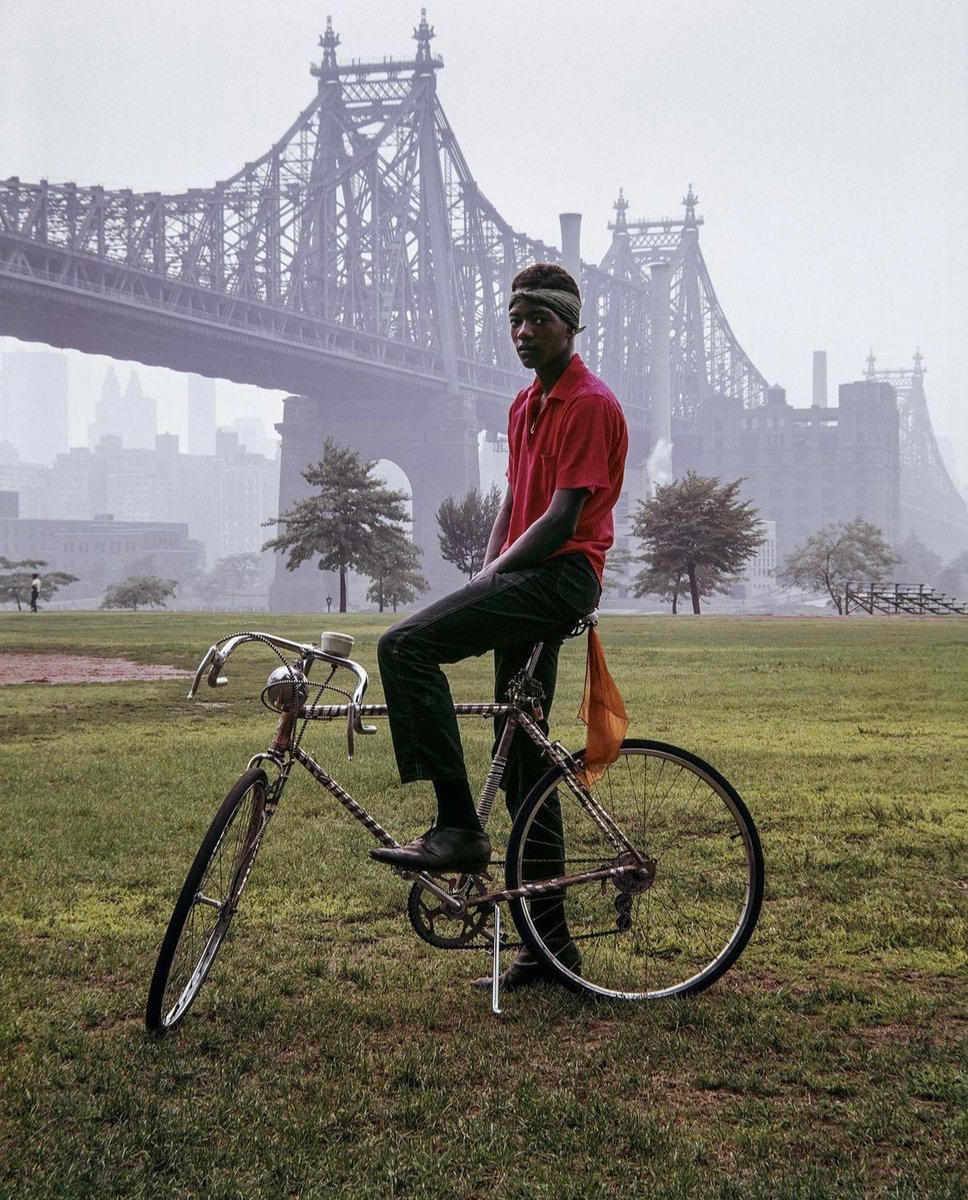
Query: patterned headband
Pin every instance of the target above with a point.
(566, 304)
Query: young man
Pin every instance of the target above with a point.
(567, 442)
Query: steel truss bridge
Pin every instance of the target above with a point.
(358, 265)
(360, 242)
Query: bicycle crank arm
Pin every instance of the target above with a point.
(456, 904)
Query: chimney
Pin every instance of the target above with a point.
(820, 378)
(571, 244)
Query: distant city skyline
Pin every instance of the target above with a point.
(86, 374)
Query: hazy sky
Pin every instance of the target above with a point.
(827, 141)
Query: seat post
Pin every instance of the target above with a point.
(533, 660)
(499, 759)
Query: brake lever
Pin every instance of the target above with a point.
(200, 671)
(218, 661)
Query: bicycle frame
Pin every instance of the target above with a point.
(678, 832)
(284, 749)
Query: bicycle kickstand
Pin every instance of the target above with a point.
(496, 964)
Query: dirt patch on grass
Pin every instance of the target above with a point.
(63, 668)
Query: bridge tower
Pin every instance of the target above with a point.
(931, 505)
(427, 427)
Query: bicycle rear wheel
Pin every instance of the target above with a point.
(207, 903)
(687, 880)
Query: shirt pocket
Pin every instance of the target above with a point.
(548, 470)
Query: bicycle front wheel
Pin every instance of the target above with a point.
(208, 902)
(660, 880)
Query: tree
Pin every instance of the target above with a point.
(917, 563)
(953, 580)
(234, 573)
(668, 584)
(343, 522)
(465, 526)
(837, 555)
(151, 566)
(15, 580)
(697, 528)
(393, 571)
(615, 575)
(148, 591)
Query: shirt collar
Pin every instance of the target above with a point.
(563, 384)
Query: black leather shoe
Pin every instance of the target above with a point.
(525, 970)
(442, 848)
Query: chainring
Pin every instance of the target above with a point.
(437, 925)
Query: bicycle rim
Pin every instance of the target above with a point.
(207, 903)
(687, 880)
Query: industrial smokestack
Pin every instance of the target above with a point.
(820, 378)
(571, 244)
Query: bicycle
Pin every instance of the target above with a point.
(657, 869)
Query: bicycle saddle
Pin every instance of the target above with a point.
(583, 623)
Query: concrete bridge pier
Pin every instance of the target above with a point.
(433, 439)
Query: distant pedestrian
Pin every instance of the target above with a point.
(34, 592)
(329, 603)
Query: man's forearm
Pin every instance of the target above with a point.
(548, 534)
(536, 544)
(499, 530)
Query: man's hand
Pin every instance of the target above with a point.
(485, 572)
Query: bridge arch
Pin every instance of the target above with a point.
(431, 438)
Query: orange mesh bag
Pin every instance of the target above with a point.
(603, 711)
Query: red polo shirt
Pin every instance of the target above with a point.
(578, 440)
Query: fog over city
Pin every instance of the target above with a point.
(827, 141)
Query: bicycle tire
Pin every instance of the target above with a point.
(221, 867)
(677, 921)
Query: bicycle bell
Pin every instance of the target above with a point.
(286, 688)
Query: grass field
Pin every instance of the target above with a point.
(333, 1054)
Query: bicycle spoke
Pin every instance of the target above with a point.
(675, 921)
(208, 902)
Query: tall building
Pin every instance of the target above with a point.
(244, 494)
(253, 437)
(223, 499)
(804, 468)
(33, 404)
(201, 415)
(141, 417)
(29, 480)
(132, 418)
(103, 551)
(107, 411)
(138, 485)
(759, 572)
